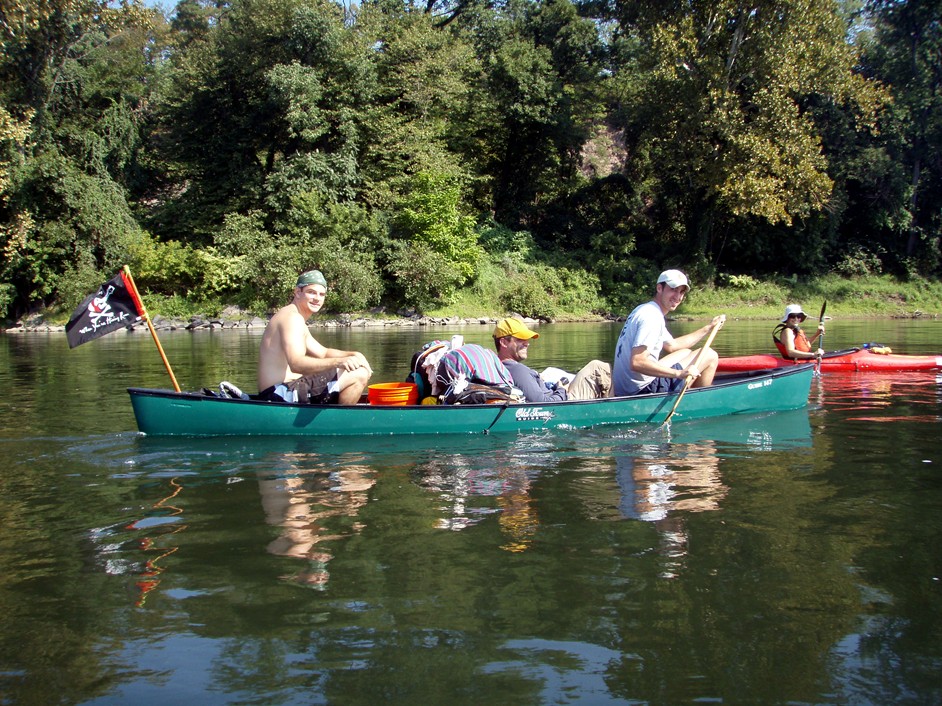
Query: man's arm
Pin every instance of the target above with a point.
(531, 384)
(299, 354)
(643, 363)
(346, 360)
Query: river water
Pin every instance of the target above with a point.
(780, 559)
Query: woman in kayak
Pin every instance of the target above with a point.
(791, 341)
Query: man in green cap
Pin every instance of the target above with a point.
(294, 367)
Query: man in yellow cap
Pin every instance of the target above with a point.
(294, 367)
(512, 339)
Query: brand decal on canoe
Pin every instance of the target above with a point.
(757, 385)
(534, 414)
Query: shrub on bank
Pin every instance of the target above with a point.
(505, 285)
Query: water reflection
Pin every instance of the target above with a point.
(139, 547)
(473, 486)
(310, 504)
(661, 474)
(164, 516)
(867, 396)
(661, 484)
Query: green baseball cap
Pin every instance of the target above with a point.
(311, 277)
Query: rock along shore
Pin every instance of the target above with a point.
(234, 318)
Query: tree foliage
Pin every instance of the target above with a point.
(905, 52)
(437, 249)
(397, 144)
(74, 78)
(727, 113)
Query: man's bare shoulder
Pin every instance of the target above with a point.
(287, 315)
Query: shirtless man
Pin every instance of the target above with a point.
(292, 358)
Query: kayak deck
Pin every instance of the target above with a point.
(849, 360)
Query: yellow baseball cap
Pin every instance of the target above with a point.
(515, 328)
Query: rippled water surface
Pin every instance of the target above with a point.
(782, 558)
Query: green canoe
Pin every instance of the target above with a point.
(169, 413)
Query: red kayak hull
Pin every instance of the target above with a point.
(847, 361)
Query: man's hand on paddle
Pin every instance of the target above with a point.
(692, 372)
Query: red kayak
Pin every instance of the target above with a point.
(846, 361)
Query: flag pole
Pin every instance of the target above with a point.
(150, 325)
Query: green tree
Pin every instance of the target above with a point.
(543, 64)
(76, 73)
(906, 53)
(723, 117)
(437, 249)
(425, 92)
(266, 107)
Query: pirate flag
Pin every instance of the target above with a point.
(114, 306)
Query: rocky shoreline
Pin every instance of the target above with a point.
(234, 318)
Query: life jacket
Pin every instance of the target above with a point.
(801, 340)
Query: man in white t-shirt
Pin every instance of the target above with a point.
(639, 367)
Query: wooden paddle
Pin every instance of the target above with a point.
(689, 380)
(817, 361)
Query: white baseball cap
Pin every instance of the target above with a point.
(674, 279)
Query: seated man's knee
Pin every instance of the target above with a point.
(352, 383)
(354, 378)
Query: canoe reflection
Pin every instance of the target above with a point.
(663, 485)
(665, 481)
(316, 493)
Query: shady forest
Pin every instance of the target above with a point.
(542, 155)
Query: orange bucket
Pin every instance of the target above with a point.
(393, 393)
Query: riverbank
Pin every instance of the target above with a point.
(740, 298)
(233, 319)
(237, 320)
